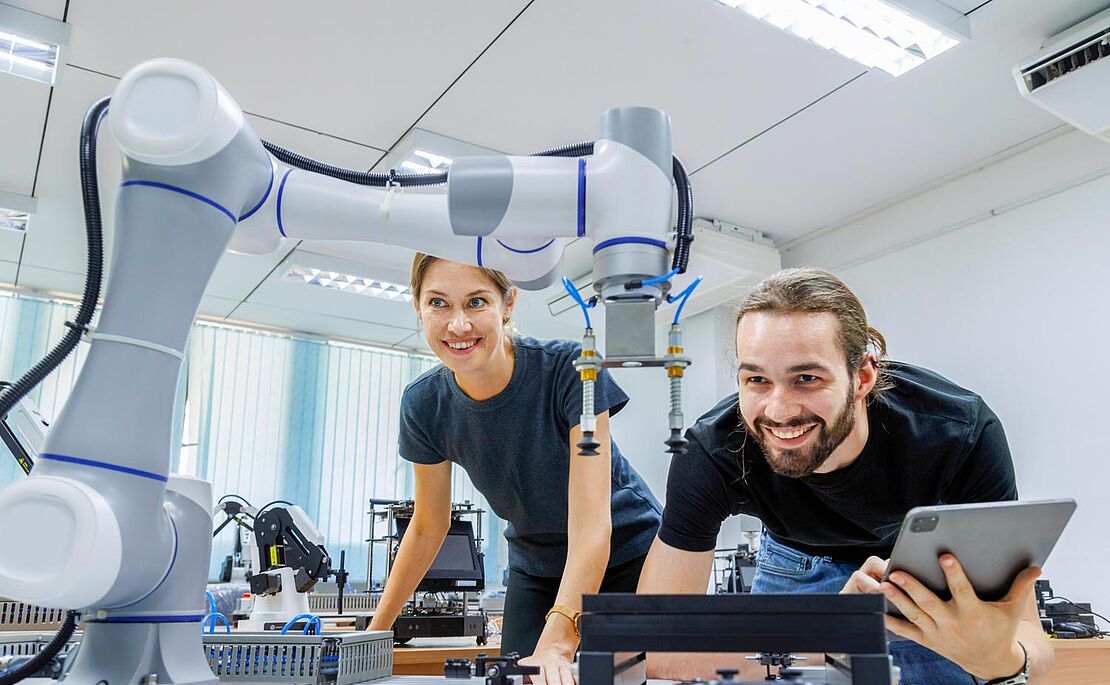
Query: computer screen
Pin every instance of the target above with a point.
(457, 566)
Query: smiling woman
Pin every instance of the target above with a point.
(466, 312)
(506, 409)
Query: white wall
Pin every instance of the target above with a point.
(998, 281)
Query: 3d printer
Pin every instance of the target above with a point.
(441, 605)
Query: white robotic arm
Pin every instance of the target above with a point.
(110, 537)
(507, 213)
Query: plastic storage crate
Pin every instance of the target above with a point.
(356, 603)
(29, 644)
(331, 658)
(19, 616)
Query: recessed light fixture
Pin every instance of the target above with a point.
(29, 44)
(422, 162)
(14, 220)
(892, 35)
(15, 211)
(358, 285)
(425, 152)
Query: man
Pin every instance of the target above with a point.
(830, 445)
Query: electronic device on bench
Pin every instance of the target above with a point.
(618, 629)
(993, 542)
(440, 607)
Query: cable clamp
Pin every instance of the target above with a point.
(393, 184)
(83, 330)
(92, 335)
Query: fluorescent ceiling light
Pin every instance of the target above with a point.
(14, 220)
(16, 211)
(425, 152)
(351, 284)
(29, 44)
(28, 58)
(879, 34)
(422, 162)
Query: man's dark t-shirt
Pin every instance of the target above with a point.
(930, 442)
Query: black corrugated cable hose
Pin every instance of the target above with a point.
(362, 178)
(40, 660)
(684, 230)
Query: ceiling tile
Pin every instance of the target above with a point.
(964, 6)
(216, 307)
(40, 278)
(8, 271)
(721, 76)
(54, 9)
(56, 240)
(24, 104)
(364, 71)
(319, 324)
(11, 244)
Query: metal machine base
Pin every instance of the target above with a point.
(445, 625)
(616, 623)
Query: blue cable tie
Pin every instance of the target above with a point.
(664, 277)
(685, 295)
(578, 298)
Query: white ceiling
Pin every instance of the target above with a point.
(781, 136)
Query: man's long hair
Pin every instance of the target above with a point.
(809, 290)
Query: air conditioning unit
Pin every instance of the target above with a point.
(1070, 77)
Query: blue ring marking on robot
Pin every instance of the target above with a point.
(265, 197)
(182, 191)
(538, 249)
(169, 570)
(629, 239)
(104, 465)
(479, 250)
(281, 192)
(581, 197)
(148, 619)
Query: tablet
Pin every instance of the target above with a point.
(993, 542)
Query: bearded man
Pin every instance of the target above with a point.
(829, 444)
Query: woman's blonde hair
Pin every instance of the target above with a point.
(422, 262)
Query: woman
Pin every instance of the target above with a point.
(506, 409)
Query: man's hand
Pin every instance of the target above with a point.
(866, 579)
(979, 636)
(555, 668)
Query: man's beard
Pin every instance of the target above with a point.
(797, 463)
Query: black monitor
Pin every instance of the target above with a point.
(457, 566)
